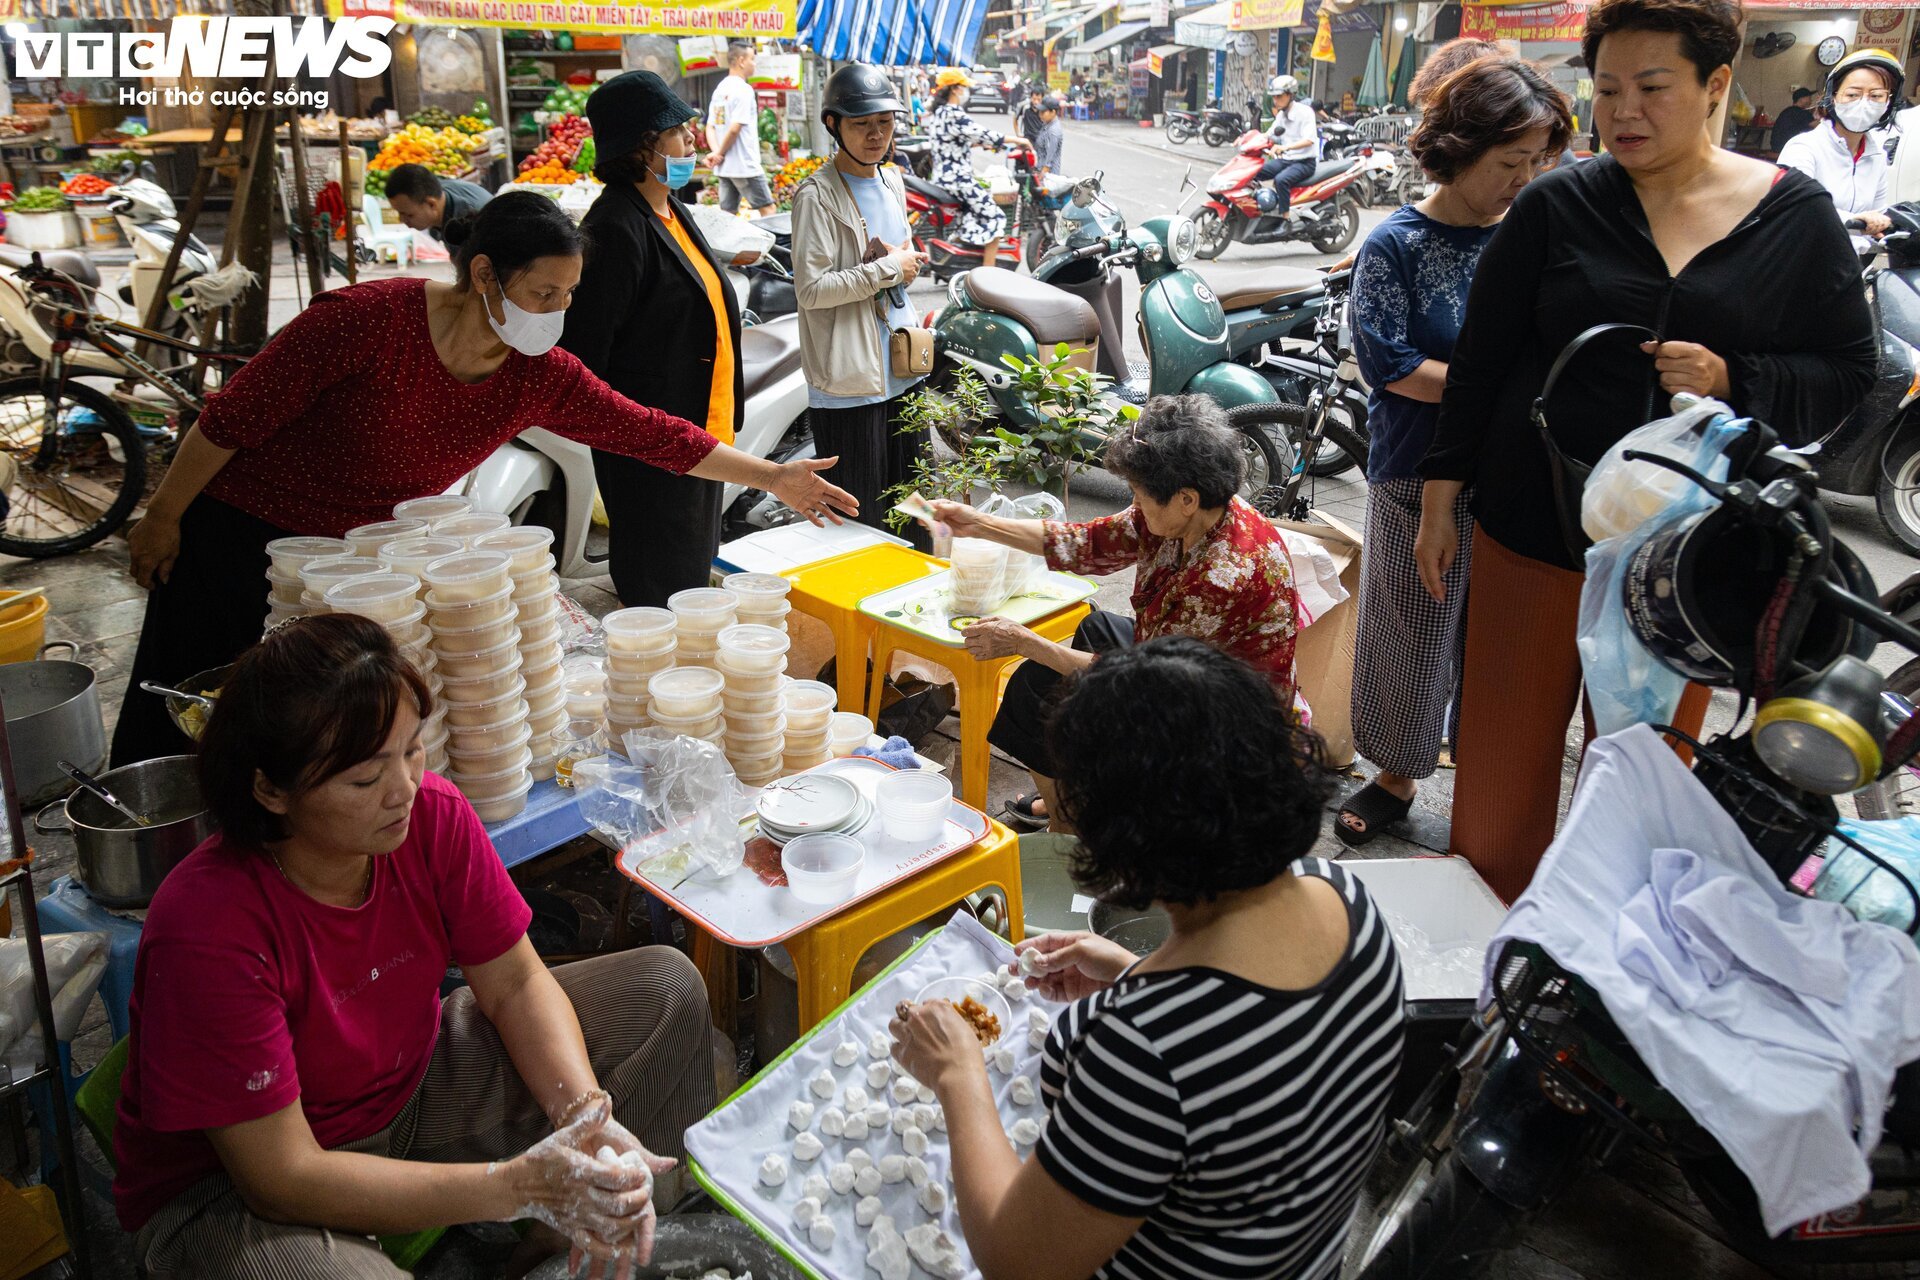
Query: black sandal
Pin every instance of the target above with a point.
(1019, 811)
(1374, 805)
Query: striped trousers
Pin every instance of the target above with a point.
(644, 1015)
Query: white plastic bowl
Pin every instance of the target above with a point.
(755, 650)
(283, 588)
(508, 804)
(288, 554)
(637, 665)
(456, 613)
(685, 693)
(703, 608)
(433, 507)
(317, 575)
(527, 547)
(487, 688)
(809, 705)
(485, 662)
(383, 597)
(367, 539)
(472, 759)
(483, 735)
(639, 631)
(471, 639)
(757, 590)
(468, 575)
(469, 525)
(914, 803)
(414, 553)
(847, 732)
(822, 868)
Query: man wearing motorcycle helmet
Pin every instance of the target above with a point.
(1847, 153)
(1296, 140)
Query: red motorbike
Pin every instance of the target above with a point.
(933, 212)
(1324, 211)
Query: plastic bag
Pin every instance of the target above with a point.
(727, 235)
(1621, 496)
(1865, 889)
(1626, 685)
(1021, 567)
(672, 783)
(75, 964)
(579, 630)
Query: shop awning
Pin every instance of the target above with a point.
(1065, 28)
(893, 33)
(1117, 34)
(1206, 29)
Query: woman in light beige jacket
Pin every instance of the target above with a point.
(853, 260)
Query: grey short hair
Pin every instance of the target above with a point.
(1181, 442)
(737, 50)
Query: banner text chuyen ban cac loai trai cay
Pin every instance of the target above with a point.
(763, 18)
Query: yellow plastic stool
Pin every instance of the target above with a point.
(831, 590)
(980, 686)
(825, 955)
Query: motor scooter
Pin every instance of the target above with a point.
(1182, 126)
(1240, 207)
(1219, 126)
(1031, 206)
(993, 314)
(542, 478)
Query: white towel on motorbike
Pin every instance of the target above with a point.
(1777, 1021)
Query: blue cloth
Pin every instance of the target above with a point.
(887, 219)
(896, 751)
(1409, 297)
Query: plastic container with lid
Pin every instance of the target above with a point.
(283, 588)
(492, 756)
(775, 617)
(540, 607)
(279, 613)
(548, 722)
(757, 591)
(847, 732)
(455, 615)
(705, 661)
(685, 692)
(288, 554)
(471, 639)
(433, 507)
(539, 578)
(468, 575)
(544, 766)
(806, 741)
(755, 771)
(913, 803)
(768, 740)
(528, 547)
(809, 705)
(491, 660)
(421, 656)
(765, 705)
(703, 608)
(640, 665)
(317, 575)
(548, 703)
(383, 597)
(640, 630)
(700, 726)
(755, 650)
(538, 655)
(506, 804)
(469, 525)
(627, 686)
(545, 684)
(748, 682)
(800, 762)
(586, 706)
(632, 710)
(367, 539)
(491, 687)
(544, 632)
(822, 867)
(413, 554)
(478, 732)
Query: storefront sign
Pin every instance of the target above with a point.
(776, 71)
(1323, 39)
(1058, 77)
(698, 53)
(1153, 64)
(746, 18)
(1265, 15)
(1566, 20)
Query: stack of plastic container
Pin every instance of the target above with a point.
(809, 711)
(369, 538)
(433, 508)
(316, 576)
(761, 597)
(469, 526)
(536, 604)
(414, 552)
(847, 732)
(686, 701)
(476, 640)
(392, 600)
(751, 659)
(700, 615)
(286, 557)
(640, 645)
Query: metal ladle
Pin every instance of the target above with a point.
(165, 692)
(94, 785)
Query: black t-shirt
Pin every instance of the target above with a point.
(1790, 121)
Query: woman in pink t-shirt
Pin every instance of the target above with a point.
(297, 1085)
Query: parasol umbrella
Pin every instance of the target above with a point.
(1403, 75)
(1373, 84)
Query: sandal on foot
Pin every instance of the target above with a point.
(1375, 806)
(1020, 812)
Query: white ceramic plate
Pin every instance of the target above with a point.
(808, 802)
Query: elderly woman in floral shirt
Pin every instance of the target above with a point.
(1206, 565)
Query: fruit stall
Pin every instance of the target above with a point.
(436, 139)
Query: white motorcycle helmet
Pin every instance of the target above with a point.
(1283, 84)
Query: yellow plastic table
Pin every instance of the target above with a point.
(825, 956)
(831, 590)
(980, 685)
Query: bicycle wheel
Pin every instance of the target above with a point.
(73, 467)
(1271, 436)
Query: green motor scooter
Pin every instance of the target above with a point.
(1074, 297)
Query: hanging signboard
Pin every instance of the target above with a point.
(1153, 65)
(776, 71)
(743, 18)
(698, 53)
(1323, 39)
(1566, 20)
(1265, 15)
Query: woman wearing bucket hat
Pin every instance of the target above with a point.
(650, 262)
(1847, 154)
(955, 135)
(853, 260)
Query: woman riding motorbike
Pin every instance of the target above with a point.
(1847, 154)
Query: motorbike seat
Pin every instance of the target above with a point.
(1050, 314)
(1327, 168)
(768, 353)
(1283, 289)
(939, 195)
(777, 225)
(77, 265)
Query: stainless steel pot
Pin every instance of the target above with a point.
(121, 864)
(53, 714)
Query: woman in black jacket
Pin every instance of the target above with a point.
(1746, 276)
(655, 317)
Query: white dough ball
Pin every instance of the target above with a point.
(773, 1170)
(923, 1117)
(933, 1198)
(840, 1178)
(855, 1129)
(817, 1187)
(878, 1115)
(1026, 1131)
(913, 1141)
(902, 1121)
(846, 1053)
(1016, 992)
(893, 1169)
(924, 1094)
(940, 1118)
(833, 1122)
(879, 1045)
(1029, 963)
(867, 1181)
(917, 1171)
(800, 1115)
(824, 1084)
(1022, 1091)
(859, 1160)
(1037, 1038)
(867, 1210)
(1003, 1061)
(805, 1210)
(904, 1088)
(878, 1074)
(806, 1147)
(856, 1098)
(1037, 1019)
(821, 1234)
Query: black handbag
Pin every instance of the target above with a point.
(1568, 472)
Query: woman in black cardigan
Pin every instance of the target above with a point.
(655, 317)
(1747, 278)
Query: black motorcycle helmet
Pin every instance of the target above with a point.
(1874, 59)
(856, 90)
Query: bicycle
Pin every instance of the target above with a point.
(1306, 428)
(73, 461)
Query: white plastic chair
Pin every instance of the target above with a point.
(389, 243)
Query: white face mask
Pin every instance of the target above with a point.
(1860, 115)
(531, 333)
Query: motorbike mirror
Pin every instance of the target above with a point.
(1186, 179)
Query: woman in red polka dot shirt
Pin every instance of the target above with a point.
(377, 393)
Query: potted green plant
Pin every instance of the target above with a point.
(1082, 417)
(956, 477)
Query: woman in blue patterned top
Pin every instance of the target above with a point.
(1489, 129)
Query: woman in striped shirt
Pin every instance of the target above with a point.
(1212, 1108)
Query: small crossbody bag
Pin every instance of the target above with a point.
(909, 348)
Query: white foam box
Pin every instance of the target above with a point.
(1442, 915)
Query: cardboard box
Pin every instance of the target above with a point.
(1323, 654)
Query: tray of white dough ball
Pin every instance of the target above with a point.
(838, 1157)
